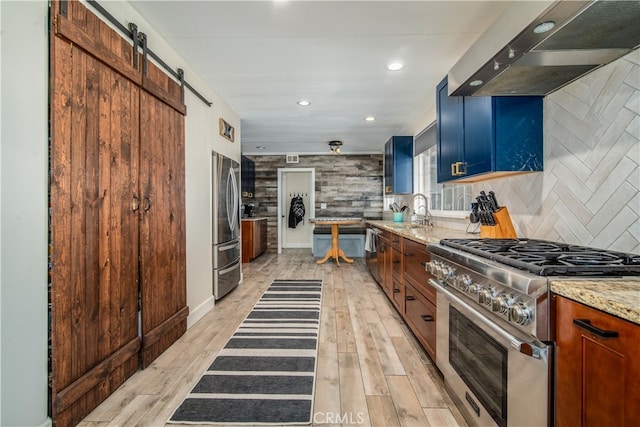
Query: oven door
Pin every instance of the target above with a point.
(497, 377)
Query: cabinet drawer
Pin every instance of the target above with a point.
(420, 314)
(396, 241)
(415, 259)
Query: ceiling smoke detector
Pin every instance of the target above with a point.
(334, 147)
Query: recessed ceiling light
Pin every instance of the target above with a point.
(544, 27)
(304, 102)
(395, 66)
(476, 83)
(369, 118)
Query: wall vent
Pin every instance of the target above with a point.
(292, 158)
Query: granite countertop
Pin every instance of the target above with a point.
(620, 297)
(254, 218)
(420, 233)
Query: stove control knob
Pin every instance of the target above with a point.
(475, 288)
(520, 314)
(434, 267)
(501, 303)
(485, 296)
(463, 282)
(448, 272)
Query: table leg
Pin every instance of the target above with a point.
(335, 252)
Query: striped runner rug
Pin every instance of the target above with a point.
(265, 374)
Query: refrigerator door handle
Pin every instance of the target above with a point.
(228, 247)
(227, 270)
(232, 200)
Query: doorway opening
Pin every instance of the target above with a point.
(295, 185)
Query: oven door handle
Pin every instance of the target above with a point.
(530, 349)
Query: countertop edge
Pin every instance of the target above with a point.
(618, 297)
(418, 233)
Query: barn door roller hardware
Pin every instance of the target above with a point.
(140, 40)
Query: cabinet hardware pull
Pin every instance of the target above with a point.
(408, 255)
(410, 298)
(396, 290)
(147, 204)
(396, 241)
(135, 204)
(427, 317)
(586, 325)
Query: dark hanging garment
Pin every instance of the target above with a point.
(296, 211)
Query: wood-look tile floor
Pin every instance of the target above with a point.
(371, 369)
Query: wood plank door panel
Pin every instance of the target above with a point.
(163, 242)
(94, 231)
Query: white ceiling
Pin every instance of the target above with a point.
(263, 56)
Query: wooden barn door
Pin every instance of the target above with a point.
(162, 232)
(117, 212)
(94, 224)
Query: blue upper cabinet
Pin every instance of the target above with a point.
(486, 137)
(398, 165)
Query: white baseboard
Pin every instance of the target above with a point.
(199, 312)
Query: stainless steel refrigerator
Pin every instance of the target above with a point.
(226, 225)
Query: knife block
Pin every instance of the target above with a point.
(503, 228)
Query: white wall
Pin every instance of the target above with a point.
(23, 199)
(23, 203)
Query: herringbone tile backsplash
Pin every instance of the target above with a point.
(589, 192)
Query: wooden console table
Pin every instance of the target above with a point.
(334, 251)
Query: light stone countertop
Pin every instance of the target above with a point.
(254, 219)
(421, 233)
(620, 297)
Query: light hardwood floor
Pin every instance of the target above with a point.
(371, 369)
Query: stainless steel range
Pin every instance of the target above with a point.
(493, 330)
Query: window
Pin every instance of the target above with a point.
(444, 199)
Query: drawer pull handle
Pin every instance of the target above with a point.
(427, 318)
(409, 298)
(586, 325)
(408, 255)
(396, 290)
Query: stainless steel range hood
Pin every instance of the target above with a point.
(507, 60)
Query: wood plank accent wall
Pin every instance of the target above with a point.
(350, 185)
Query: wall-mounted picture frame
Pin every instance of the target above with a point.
(226, 130)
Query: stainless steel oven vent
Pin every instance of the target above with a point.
(585, 35)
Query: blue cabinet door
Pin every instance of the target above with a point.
(449, 131)
(478, 135)
(485, 137)
(518, 133)
(398, 165)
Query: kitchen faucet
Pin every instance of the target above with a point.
(425, 219)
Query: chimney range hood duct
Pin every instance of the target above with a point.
(507, 60)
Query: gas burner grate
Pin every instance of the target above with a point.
(547, 258)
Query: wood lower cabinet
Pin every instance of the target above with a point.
(597, 377)
(420, 314)
(401, 268)
(254, 238)
(384, 263)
